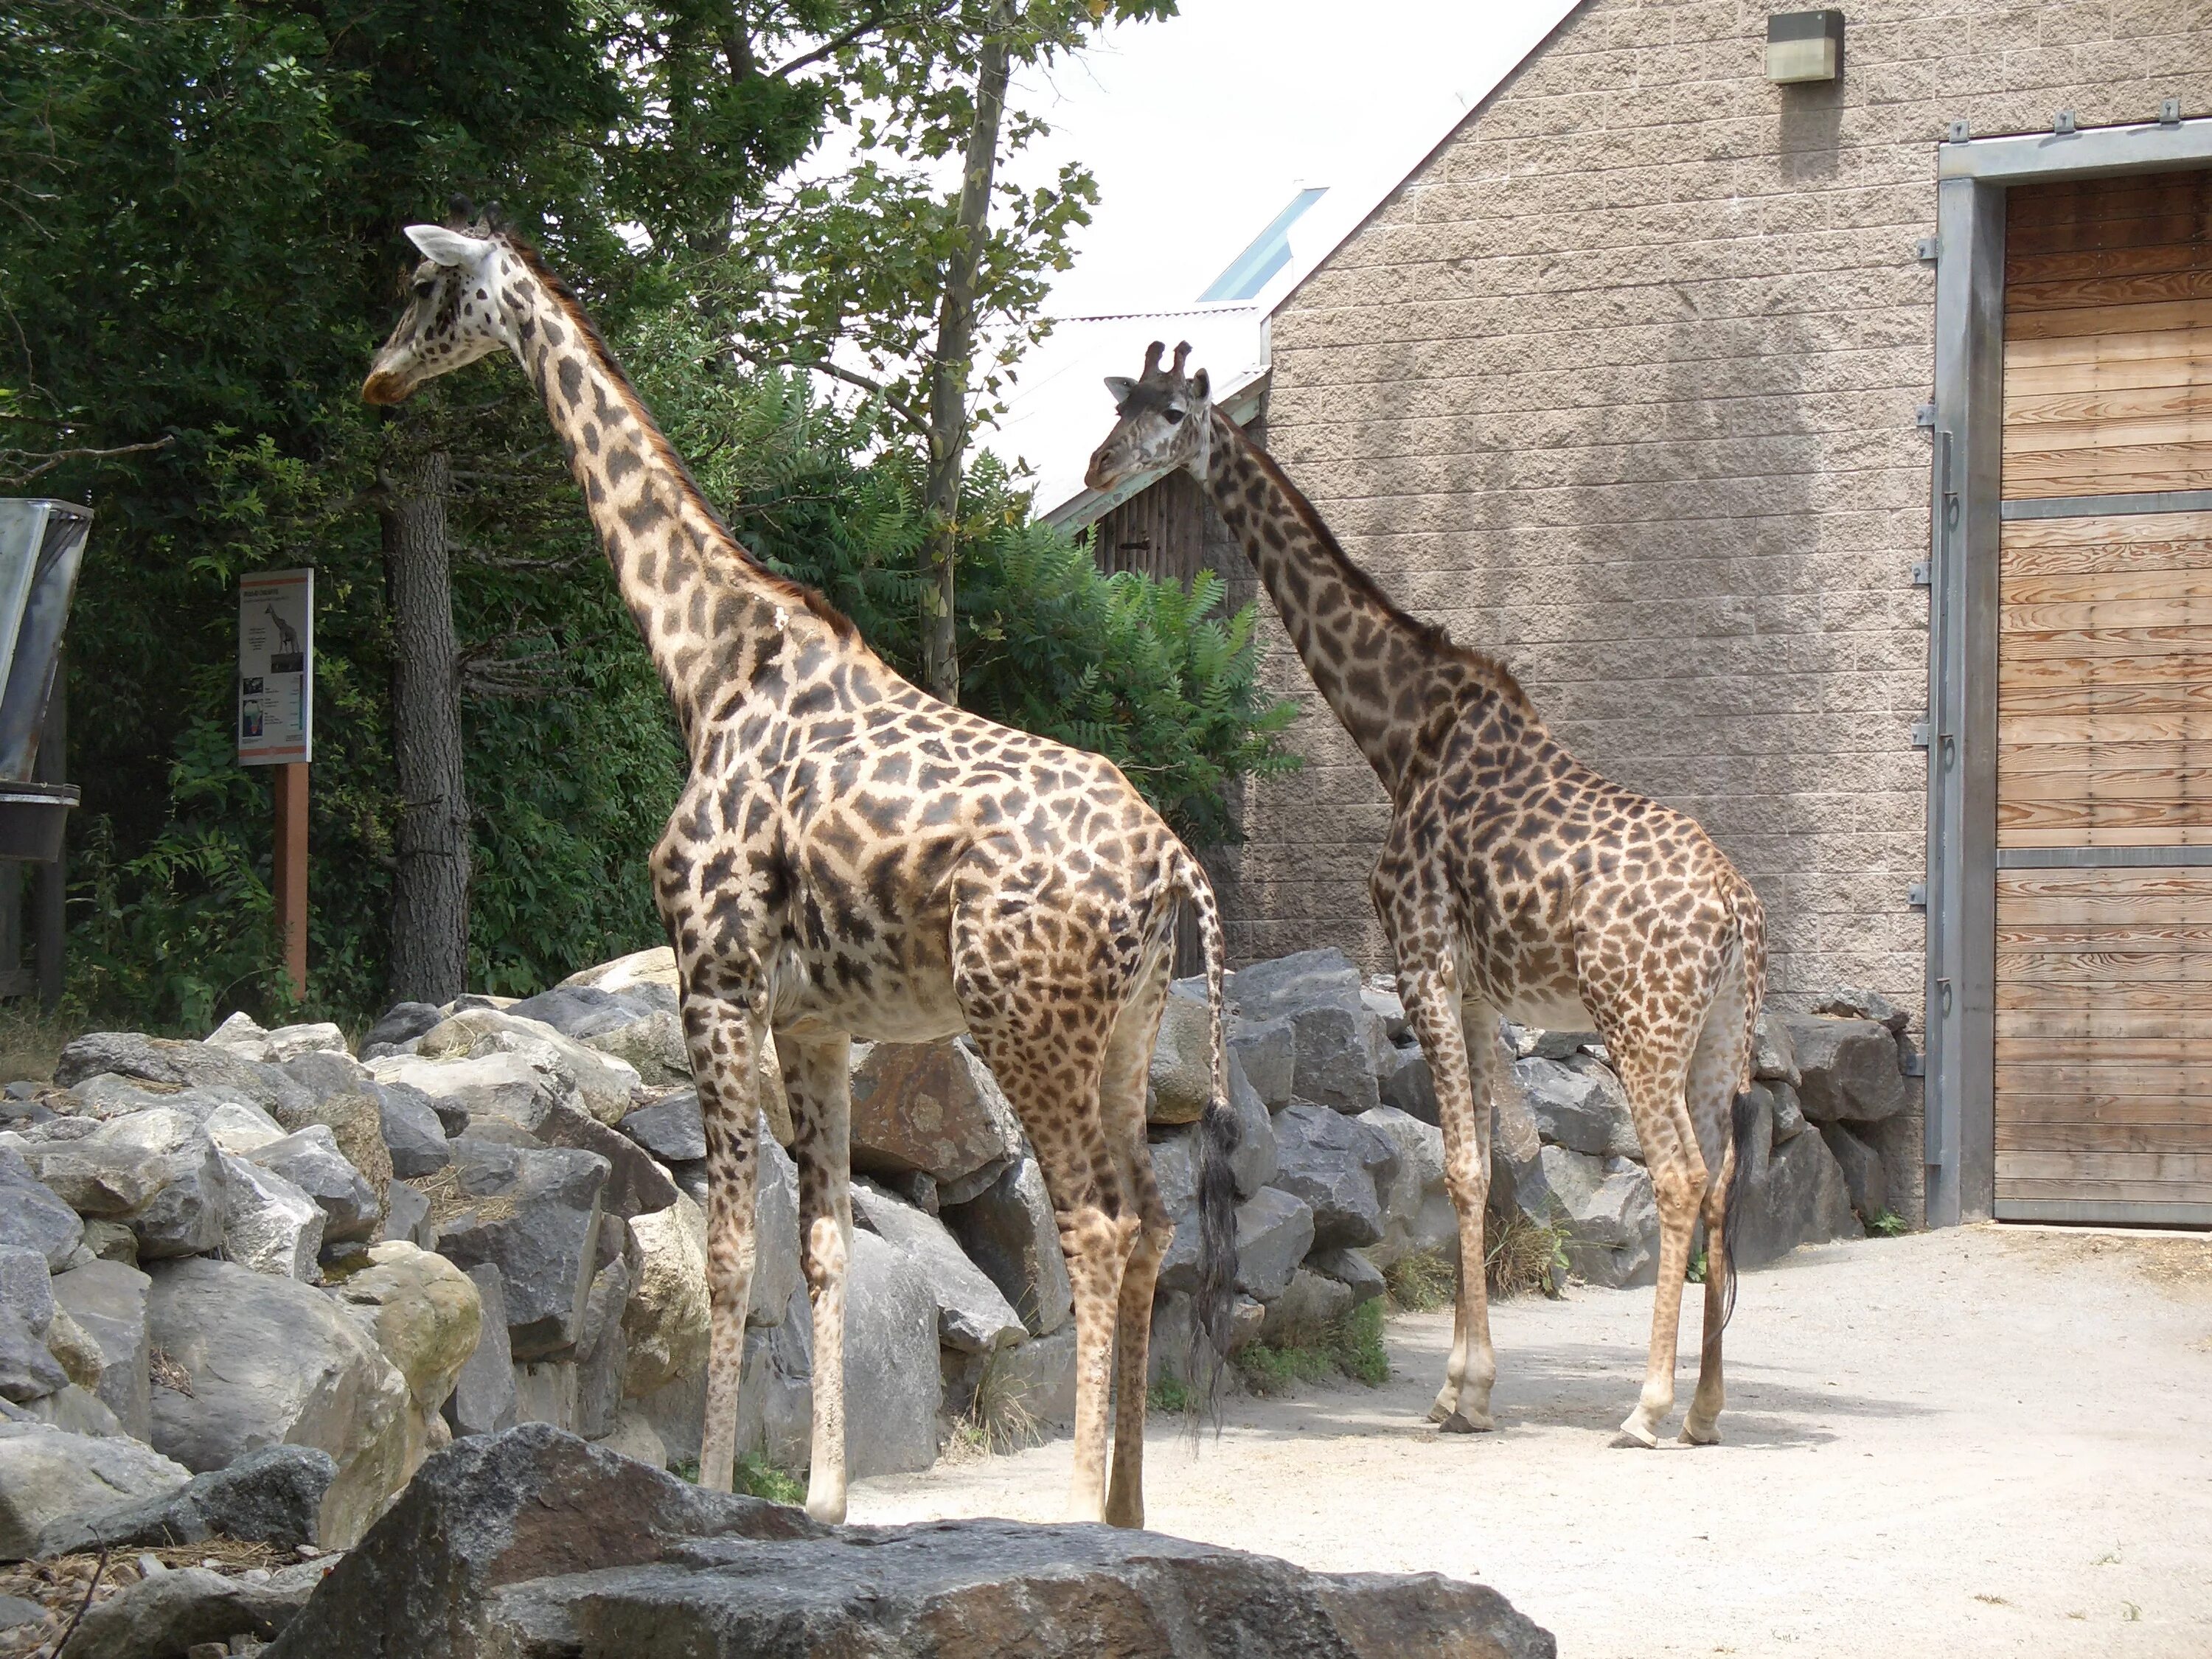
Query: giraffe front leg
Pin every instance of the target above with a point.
(817, 1084)
(722, 1033)
(1460, 1067)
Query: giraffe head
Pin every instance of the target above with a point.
(1165, 421)
(456, 314)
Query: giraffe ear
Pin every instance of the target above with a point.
(1200, 385)
(448, 247)
(1119, 386)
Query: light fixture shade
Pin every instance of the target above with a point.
(1804, 47)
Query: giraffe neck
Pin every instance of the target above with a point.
(1375, 666)
(710, 614)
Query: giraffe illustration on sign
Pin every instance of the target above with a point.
(1514, 881)
(852, 859)
(288, 637)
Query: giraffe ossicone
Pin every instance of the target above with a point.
(1514, 881)
(852, 859)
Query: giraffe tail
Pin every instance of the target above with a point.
(1213, 1305)
(1751, 949)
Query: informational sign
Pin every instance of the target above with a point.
(275, 667)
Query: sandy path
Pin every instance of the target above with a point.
(1975, 1441)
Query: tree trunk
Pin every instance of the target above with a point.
(430, 894)
(948, 372)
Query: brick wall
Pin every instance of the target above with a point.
(1621, 386)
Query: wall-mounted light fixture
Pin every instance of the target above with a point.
(1804, 46)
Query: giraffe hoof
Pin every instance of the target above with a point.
(1634, 1435)
(1460, 1423)
(1441, 1413)
(1694, 1434)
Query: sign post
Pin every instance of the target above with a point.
(276, 727)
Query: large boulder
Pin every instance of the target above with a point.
(1417, 1209)
(1407, 1082)
(1268, 1051)
(134, 1056)
(665, 1324)
(183, 1216)
(1338, 1041)
(242, 1035)
(775, 1393)
(1610, 1214)
(517, 1088)
(653, 967)
(1517, 1186)
(893, 1385)
(265, 1360)
(1849, 1069)
(107, 1300)
(1860, 1165)
(309, 1159)
(535, 1215)
(1274, 1232)
(640, 1025)
(414, 1133)
(484, 1399)
(271, 1496)
(1773, 1058)
(1182, 1075)
(1578, 1104)
(607, 1085)
(31, 1216)
(534, 1541)
(425, 1315)
(1257, 1157)
(931, 1107)
(1336, 1163)
(1309, 1306)
(97, 1177)
(48, 1477)
(972, 1315)
(185, 1610)
(602, 1349)
(637, 1183)
(1795, 1195)
(669, 1126)
(273, 1225)
(28, 1367)
(1008, 1230)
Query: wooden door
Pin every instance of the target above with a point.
(2103, 901)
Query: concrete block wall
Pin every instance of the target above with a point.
(1621, 386)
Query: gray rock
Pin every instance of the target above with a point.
(504, 1546)
(97, 1177)
(413, 1131)
(546, 1391)
(26, 1289)
(1175, 1170)
(184, 1214)
(135, 1056)
(310, 1160)
(242, 1036)
(1788, 1113)
(778, 1273)
(602, 1352)
(1578, 1104)
(1797, 1198)
(482, 1400)
(1407, 1083)
(669, 1127)
(403, 1021)
(1417, 1209)
(933, 1107)
(1862, 1170)
(639, 1023)
(1773, 1058)
(536, 1218)
(1036, 1380)
(1336, 1164)
(1290, 985)
(1849, 1068)
(170, 1611)
(972, 1315)
(1274, 1231)
(28, 1370)
(1009, 1232)
(16, 1611)
(1353, 1270)
(1379, 994)
(1267, 1050)
(407, 1217)
(605, 1087)
(33, 1216)
(1182, 1075)
(107, 1299)
(1558, 1045)
(1517, 1185)
(47, 1476)
(110, 1240)
(1852, 1002)
(893, 1387)
(519, 1088)
(1307, 1310)
(1610, 1214)
(272, 1226)
(775, 1392)
(77, 1410)
(1257, 1157)
(271, 1361)
(636, 1182)
(273, 1495)
(1339, 1042)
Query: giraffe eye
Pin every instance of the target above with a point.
(1175, 417)
(424, 288)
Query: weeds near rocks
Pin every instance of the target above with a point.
(1695, 1273)
(998, 1419)
(1888, 1223)
(752, 1475)
(165, 1372)
(1422, 1281)
(30, 1042)
(1170, 1397)
(448, 1199)
(1526, 1255)
(1350, 1346)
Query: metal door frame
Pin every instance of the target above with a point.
(1973, 175)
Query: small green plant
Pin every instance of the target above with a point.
(753, 1475)
(1358, 1347)
(1888, 1223)
(1422, 1281)
(1169, 1397)
(1350, 1345)
(1526, 1255)
(1695, 1273)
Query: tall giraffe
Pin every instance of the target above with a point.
(1514, 881)
(850, 857)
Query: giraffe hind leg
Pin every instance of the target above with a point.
(722, 1034)
(1653, 1071)
(818, 1087)
(1121, 1111)
(1724, 1125)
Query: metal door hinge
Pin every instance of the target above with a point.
(1925, 415)
(1917, 896)
(1928, 250)
(2169, 113)
(1912, 1065)
(1920, 734)
(1921, 575)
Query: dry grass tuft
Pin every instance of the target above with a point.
(998, 1419)
(1422, 1281)
(449, 1200)
(165, 1372)
(59, 1582)
(30, 1042)
(1526, 1255)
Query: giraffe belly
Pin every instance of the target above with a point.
(811, 999)
(1547, 1012)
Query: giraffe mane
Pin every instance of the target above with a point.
(564, 296)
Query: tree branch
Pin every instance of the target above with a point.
(48, 459)
(898, 406)
(880, 17)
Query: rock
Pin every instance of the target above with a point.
(1009, 1232)
(1516, 1146)
(777, 1272)
(933, 1107)
(1257, 1157)
(535, 1216)
(1417, 1209)
(482, 1400)
(1274, 1231)
(28, 1370)
(271, 1496)
(107, 1300)
(414, 1134)
(310, 1161)
(1407, 1083)
(97, 1177)
(242, 1037)
(1268, 1052)
(1578, 1104)
(1182, 1075)
(350, 1102)
(1175, 1170)
(1851, 1002)
(79, 1356)
(185, 1214)
(273, 1226)
(136, 1057)
(602, 1351)
(270, 1360)
(110, 1240)
(1309, 1307)
(407, 1217)
(1036, 1381)
(634, 1437)
(653, 967)
(1788, 1114)
(516, 1088)
(76, 1411)
(545, 1392)
(170, 1612)
(669, 1127)
(1339, 1042)
(1773, 1059)
(535, 1541)
(1379, 995)
(237, 1129)
(775, 1393)
(1289, 985)
(636, 1183)
(48, 1476)
(607, 1085)
(16, 1613)
(972, 1316)
(1558, 1045)
(32, 1216)
(665, 1324)
(1861, 1166)
(1849, 1068)
(892, 1384)
(1353, 1270)
(640, 1025)
(1609, 1215)
(1798, 1198)
(1335, 1163)
(425, 1315)
(402, 1023)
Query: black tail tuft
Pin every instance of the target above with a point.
(1743, 1121)
(1213, 1308)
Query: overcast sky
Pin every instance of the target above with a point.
(1200, 129)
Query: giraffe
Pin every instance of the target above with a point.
(851, 858)
(1514, 881)
(288, 637)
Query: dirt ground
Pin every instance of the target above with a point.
(1978, 1442)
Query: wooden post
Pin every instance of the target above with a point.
(290, 873)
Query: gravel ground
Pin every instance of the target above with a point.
(1978, 1442)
